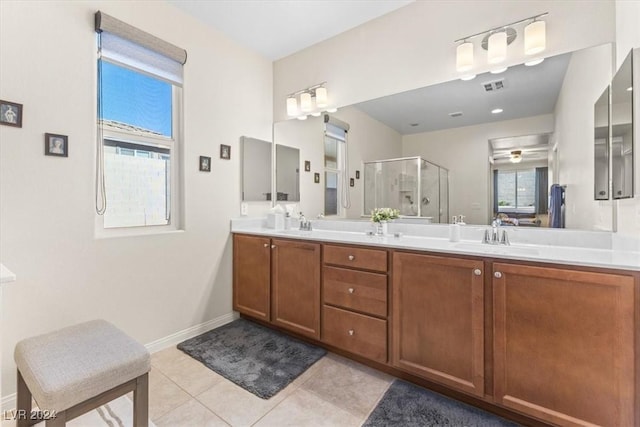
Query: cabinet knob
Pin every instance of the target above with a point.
(273, 246)
(477, 272)
(351, 332)
(351, 257)
(266, 245)
(497, 275)
(351, 290)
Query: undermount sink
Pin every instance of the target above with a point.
(497, 249)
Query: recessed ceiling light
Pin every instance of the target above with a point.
(630, 88)
(534, 62)
(468, 77)
(499, 70)
(496, 111)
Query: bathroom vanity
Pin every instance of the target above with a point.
(518, 328)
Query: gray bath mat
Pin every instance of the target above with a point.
(258, 359)
(408, 405)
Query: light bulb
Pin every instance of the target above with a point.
(497, 47)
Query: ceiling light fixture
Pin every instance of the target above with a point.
(497, 111)
(496, 40)
(534, 62)
(312, 100)
(516, 156)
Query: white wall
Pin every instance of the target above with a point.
(414, 46)
(368, 139)
(150, 286)
(465, 152)
(588, 74)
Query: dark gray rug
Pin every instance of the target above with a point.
(408, 405)
(258, 359)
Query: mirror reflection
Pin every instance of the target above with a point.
(256, 169)
(287, 173)
(622, 131)
(601, 147)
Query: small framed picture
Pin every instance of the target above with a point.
(307, 166)
(56, 145)
(357, 174)
(205, 164)
(10, 114)
(225, 151)
(316, 178)
(352, 182)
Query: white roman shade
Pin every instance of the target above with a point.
(127, 45)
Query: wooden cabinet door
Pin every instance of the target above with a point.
(564, 344)
(295, 269)
(251, 276)
(438, 323)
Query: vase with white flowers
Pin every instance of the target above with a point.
(381, 216)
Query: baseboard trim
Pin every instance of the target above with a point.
(9, 402)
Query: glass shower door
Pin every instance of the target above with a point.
(430, 191)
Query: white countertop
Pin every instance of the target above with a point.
(6, 275)
(581, 249)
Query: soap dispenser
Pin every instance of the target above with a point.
(454, 230)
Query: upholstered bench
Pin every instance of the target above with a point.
(76, 369)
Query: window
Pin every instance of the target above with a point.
(516, 190)
(331, 175)
(336, 180)
(139, 118)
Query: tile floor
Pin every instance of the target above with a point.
(334, 392)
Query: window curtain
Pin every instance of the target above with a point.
(542, 190)
(495, 193)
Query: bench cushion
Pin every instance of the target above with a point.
(67, 367)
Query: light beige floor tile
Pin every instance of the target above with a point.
(191, 414)
(302, 408)
(164, 395)
(167, 357)
(348, 385)
(191, 375)
(237, 406)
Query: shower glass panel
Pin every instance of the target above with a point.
(412, 185)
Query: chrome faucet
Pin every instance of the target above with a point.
(304, 224)
(496, 236)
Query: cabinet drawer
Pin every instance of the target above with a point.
(355, 290)
(356, 333)
(368, 259)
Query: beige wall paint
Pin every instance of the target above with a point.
(150, 286)
(465, 152)
(414, 46)
(368, 139)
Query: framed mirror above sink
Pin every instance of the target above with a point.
(622, 144)
(256, 169)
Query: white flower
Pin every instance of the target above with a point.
(384, 214)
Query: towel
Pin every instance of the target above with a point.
(556, 202)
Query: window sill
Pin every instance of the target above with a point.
(137, 232)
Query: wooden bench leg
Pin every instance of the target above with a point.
(59, 421)
(141, 402)
(23, 404)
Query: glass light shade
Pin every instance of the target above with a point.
(332, 110)
(316, 114)
(534, 62)
(321, 97)
(516, 158)
(302, 117)
(497, 48)
(292, 106)
(464, 57)
(468, 77)
(535, 37)
(305, 102)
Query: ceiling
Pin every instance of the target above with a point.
(527, 91)
(278, 28)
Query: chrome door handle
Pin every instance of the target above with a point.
(497, 275)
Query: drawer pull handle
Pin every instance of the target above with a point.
(273, 246)
(497, 275)
(351, 332)
(351, 290)
(266, 245)
(351, 257)
(477, 272)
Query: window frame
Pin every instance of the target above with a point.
(338, 171)
(516, 208)
(173, 144)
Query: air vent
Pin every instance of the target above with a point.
(456, 114)
(494, 85)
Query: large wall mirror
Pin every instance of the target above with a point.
(622, 131)
(256, 169)
(535, 123)
(287, 173)
(601, 146)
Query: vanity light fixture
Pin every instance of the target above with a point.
(312, 100)
(497, 111)
(496, 40)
